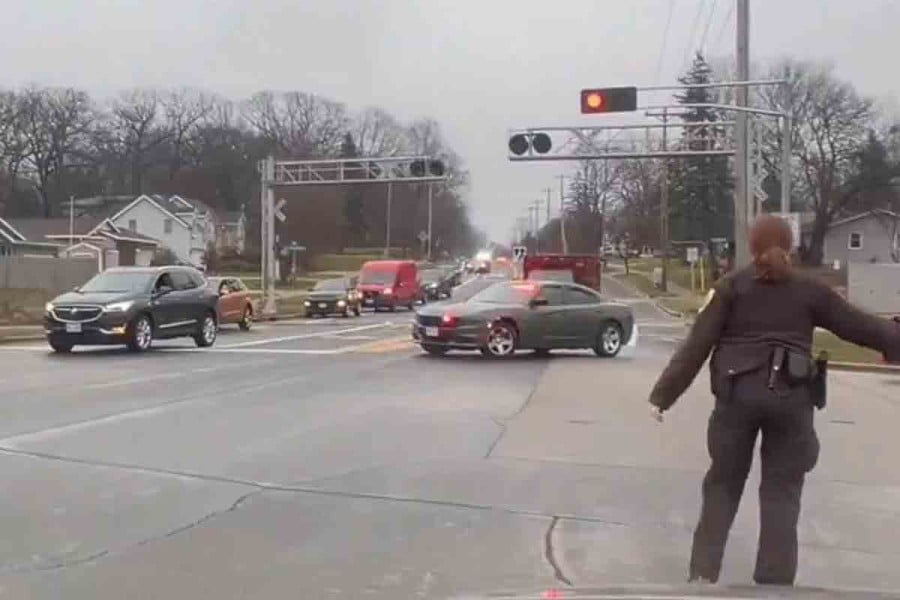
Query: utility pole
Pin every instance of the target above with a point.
(71, 221)
(562, 213)
(787, 128)
(664, 209)
(741, 176)
(387, 233)
(548, 190)
(267, 213)
(430, 195)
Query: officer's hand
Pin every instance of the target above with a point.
(656, 413)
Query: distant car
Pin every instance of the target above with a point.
(235, 301)
(134, 306)
(533, 315)
(334, 296)
(435, 284)
(389, 284)
(574, 268)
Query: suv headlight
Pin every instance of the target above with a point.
(48, 307)
(117, 307)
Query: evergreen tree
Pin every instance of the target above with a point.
(701, 187)
(353, 198)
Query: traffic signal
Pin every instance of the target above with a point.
(521, 142)
(605, 100)
(435, 168)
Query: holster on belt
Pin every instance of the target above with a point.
(798, 369)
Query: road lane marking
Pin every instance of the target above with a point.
(358, 338)
(121, 382)
(380, 346)
(304, 336)
(255, 350)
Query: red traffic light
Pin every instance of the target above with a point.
(605, 100)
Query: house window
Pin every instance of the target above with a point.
(132, 224)
(167, 226)
(856, 241)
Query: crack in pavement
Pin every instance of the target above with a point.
(551, 557)
(504, 422)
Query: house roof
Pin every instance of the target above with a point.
(869, 213)
(10, 233)
(114, 206)
(37, 230)
(153, 202)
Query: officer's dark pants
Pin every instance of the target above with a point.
(789, 450)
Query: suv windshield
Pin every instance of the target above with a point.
(510, 293)
(113, 282)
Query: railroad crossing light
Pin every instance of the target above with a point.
(521, 142)
(435, 168)
(605, 100)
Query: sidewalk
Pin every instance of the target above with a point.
(626, 489)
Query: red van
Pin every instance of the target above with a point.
(583, 269)
(389, 284)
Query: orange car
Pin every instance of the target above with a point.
(235, 302)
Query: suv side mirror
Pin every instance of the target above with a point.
(539, 301)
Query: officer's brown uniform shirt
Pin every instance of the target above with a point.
(745, 317)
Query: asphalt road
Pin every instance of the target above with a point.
(330, 458)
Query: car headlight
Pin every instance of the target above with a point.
(433, 286)
(48, 307)
(118, 306)
(307, 303)
(342, 303)
(387, 291)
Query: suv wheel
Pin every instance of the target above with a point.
(246, 319)
(140, 334)
(206, 336)
(609, 342)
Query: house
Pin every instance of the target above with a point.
(183, 226)
(14, 243)
(232, 232)
(88, 236)
(869, 237)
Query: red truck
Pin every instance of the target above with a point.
(583, 269)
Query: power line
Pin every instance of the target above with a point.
(724, 26)
(689, 45)
(662, 49)
(712, 11)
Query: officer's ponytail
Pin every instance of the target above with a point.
(770, 243)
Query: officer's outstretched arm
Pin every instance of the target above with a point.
(854, 325)
(693, 352)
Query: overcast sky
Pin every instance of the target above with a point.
(479, 67)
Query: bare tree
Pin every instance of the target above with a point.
(377, 133)
(185, 110)
(137, 132)
(56, 127)
(301, 125)
(13, 143)
(830, 126)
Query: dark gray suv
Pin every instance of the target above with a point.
(133, 306)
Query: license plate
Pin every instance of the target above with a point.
(322, 305)
(73, 327)
(432, 331)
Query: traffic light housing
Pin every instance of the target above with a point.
(606, 100)
(435, 168)
(540, 142)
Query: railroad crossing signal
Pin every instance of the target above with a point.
(606, 100)
(279, 214)
(417, 168)
(519, 253)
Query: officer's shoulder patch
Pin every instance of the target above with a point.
(709, 298)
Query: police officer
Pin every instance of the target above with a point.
(759, 322)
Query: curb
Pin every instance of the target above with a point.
(22, 338)
(865, 367)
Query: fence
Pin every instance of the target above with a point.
(875, 287)
(45, 272)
